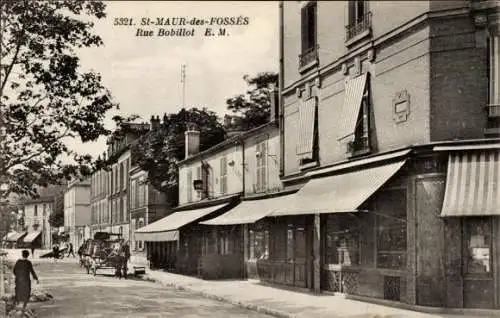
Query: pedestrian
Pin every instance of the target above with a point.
(55, 252)
(22, 270)
(70, 250)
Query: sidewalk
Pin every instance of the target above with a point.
(283, 303)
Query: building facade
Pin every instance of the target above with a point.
(383, 117)
(100, 216)
(147, 205)
(36, 215)
(77, 211)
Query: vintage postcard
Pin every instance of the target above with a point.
(250, 158)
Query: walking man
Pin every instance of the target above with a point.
(70, 250)
(22, 270)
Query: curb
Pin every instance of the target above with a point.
(244, 305)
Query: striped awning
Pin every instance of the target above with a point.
(472, 184)
(166, 229)
(354, 90)
(250, 211)
(15, 236)
(307, 114)
(338, 193)
(31, 236)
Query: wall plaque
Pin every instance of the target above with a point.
(401, 106)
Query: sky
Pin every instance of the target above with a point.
(144, 72)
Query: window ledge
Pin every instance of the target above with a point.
(492, 131)
(309, 165)
(308, 66)
(358, 37)
(357, 153)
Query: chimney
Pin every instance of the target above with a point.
(192, 135)
(155, 122)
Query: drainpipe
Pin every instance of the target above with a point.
(281, 86)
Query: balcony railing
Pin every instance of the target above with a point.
(359, 27)
(308, 57)
(493, 110)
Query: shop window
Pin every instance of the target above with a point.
(225, 246)
(341, 240)
(259, 244)
(290, 243)
(391, 229)
(478, 244)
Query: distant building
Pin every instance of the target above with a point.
(77, 211)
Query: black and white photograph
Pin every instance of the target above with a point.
(250, 159)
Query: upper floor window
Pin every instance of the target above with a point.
(189, 186)
(35, 212)
(493, 46)
(307, 146)
(355, 116)
(223, 175)
(359, 21)
(261, 171)
(308, 34)
(44, 209)
(198, 177)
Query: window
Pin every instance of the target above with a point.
(133, 194)
(259, 244)
(307, 146)
(391, 229)
(44, 209)
(478, 245)
(189, 186)
(354, 128)
(125, 209)
(223, 175)
(493, 46)
(308, 34)
(225, 243)
(341, 240)
(122, 176)
(35, 212)
(198, 177)
(261, 171)
(359, 23)
(361, 141)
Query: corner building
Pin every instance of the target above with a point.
(389, 116)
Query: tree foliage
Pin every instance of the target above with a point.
(159, 151)
(46, 99)
(252, 109)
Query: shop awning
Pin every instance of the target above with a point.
(31, 236)
(250, 211)
(13, 237)
(338, 193)
(472, 184)
(167, 228)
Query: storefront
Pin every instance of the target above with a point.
(175, 242)
(471, 214)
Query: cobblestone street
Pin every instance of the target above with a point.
(77, 294)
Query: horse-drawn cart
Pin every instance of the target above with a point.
(107, 251)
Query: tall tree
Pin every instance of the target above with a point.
(159, 151)
(252, 109)
(46, 99)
